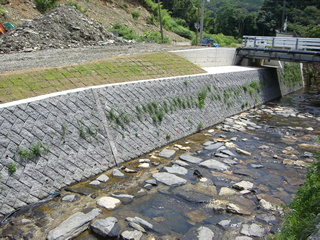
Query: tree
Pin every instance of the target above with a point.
(266, 23)
(313, 32)
(227, 21)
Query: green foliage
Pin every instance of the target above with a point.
(202, 96)
(138, 109)
(168, 137)
(145, 108)
(3, 12)
(12, 168)
(182, 31)
(111, 114)
(126, 5)
(165, 106)
(200, 125)
(150, 20)
(227, 95)
(135, 14)
(300, 218)
(63, 128)
(155, 117)
(125, 32)
(34, 151)
(153, 36)
(150, 109)
(44, 5)
(190, 121)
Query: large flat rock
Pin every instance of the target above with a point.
(191, 159)
(167, 153)
(73, 226)
(214, 164)
(169, 179)
(106, 227)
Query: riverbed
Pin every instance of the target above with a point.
(229, 181)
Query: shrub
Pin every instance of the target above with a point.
(125, 32)
(150, 20)
(12, 168)
(44, 5)
(180, 21)
(182, 31)
(299, 221)
(135, 14)
(126, 5)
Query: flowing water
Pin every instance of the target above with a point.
(279, 141)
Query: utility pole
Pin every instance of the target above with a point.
(283, 12)
(160, 21)
(201, 25)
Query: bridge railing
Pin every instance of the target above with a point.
(282, 43)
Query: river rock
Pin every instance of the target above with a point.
(181, 163)
(224, 223)
(131, 235)
(243, 238)
(225, 191)
(116, 173)
(145, 224)
(108, 202)
(205, 233)
(228, 152)
(218, 205)
(169, 179)
(176, 169)
(73, 226)
(125, 198)
(167, 153)
(213, 147)
(95, 183)
(270, 203)
(128, 170)
(106, 227)
(69, 198)
(268, 218)
(243, 185)
(253, 230)
(221, 155)
(145, 160)
(256, 165)
(103, 178)
(247, 172)
(230, 162)
(144, 165)
(241, 151)
(192, 196)
(152, 182)
(235, 208)
(191, 159)
(137, 227)
(214, 164)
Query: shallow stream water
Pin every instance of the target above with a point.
(278, 140)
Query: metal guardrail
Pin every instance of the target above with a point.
(282, 43)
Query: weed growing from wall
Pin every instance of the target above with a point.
(12, 168)
(202, 96)
(33, 151)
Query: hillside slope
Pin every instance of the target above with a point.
(108, 13)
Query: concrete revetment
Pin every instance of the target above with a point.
(87, 131)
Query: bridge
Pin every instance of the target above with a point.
(304, 50)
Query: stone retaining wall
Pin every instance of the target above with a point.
(87, 131)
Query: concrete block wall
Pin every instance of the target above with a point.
(84, 139)
(208, 56)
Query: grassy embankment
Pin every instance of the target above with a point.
(30, 83)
